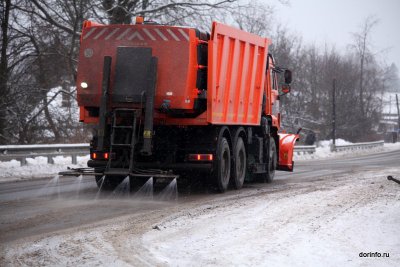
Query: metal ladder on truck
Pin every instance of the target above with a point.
(119, 113)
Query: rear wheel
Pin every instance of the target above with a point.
(271, 157)
(223, 165)
(272, 160)
(239, 164)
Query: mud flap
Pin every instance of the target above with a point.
(286, 147)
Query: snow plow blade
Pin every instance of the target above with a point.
(286, 147)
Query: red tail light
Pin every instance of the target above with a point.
(200, 157)
(101, 155)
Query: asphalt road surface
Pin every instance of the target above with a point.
(35, 209)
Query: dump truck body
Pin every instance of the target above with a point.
(178, 99)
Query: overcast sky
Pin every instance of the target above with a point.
(333, 21)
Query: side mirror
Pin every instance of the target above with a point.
(288, 76)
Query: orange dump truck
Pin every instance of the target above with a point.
(168, 101)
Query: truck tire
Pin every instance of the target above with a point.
(271, 157)
(272, 160)
(239, 164)
(223, 165)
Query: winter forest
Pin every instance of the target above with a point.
(40, 46)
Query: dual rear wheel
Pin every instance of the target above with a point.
(224, 168)
(222, 171)
(234, 170)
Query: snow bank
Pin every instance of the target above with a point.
(325, 225)
(37, 168)
(323, 150)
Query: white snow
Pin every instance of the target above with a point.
(37, 168)
(81, 249)
(329, 226)
(323, 150)
(297, 224)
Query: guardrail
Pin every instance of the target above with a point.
(358, 146)
(22, 152)
(302, 150)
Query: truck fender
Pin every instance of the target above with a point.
(286, 147)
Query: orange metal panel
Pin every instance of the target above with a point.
(286, 147)
(175, 48)
(236, 76)
(164, 119)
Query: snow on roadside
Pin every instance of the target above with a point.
(79, 249)
(37, 168)
(329, 226)
(323, 150)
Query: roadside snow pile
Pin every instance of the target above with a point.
(323, 150)
(37, 168)
(323, 224)
(339, 142)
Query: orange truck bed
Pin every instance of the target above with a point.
(236, 76)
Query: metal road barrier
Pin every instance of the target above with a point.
(358, 146)
(302, 150)
(22, 152)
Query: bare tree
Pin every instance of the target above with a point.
(362, 48)
(4, 65)
(170, 11)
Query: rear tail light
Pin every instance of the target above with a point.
(200, 157)
(102, 155)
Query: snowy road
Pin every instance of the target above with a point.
(325, 213)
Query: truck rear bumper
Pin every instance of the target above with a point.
(182, 167)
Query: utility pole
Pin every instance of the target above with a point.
(398, 114)
(333, 148)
